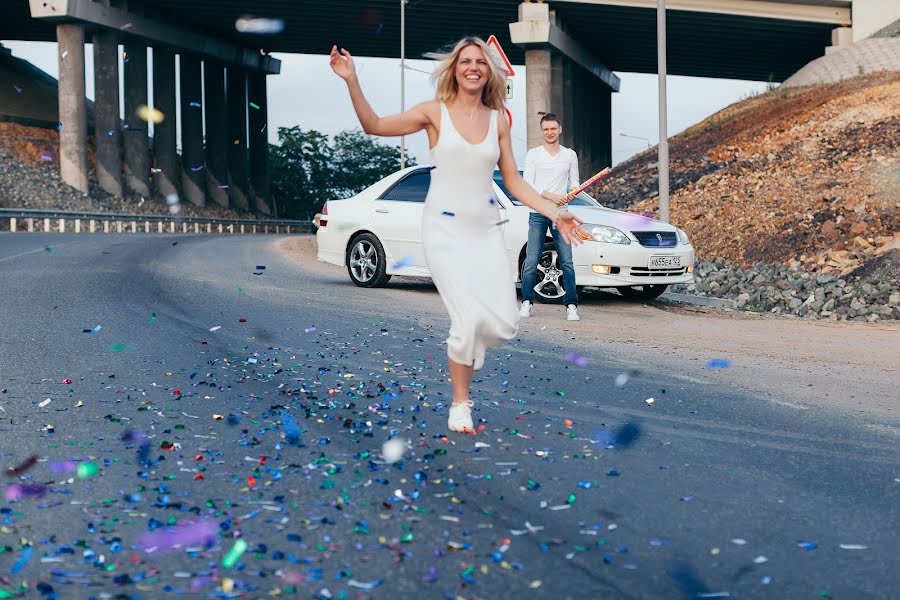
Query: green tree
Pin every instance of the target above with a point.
(307, 168)
(301, 170)
(360, 161)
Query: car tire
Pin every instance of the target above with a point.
(366, 262)
(643, 292)
(552, 292)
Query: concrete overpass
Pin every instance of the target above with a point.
(570, 47)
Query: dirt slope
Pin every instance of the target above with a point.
(809, 176)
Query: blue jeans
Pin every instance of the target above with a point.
(537, 233)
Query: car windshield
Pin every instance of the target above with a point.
(581, 199)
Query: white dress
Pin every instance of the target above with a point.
(464, 245)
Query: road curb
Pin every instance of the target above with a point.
(700, 300)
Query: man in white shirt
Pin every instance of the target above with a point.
(552, 170)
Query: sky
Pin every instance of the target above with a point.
(307, 94)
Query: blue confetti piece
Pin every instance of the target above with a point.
(448, 213)
(260, 267)
(404, 262)
(808, 546)
(110, 133)
(200, 168)
(27, 553)
(195, 104)
(291, 430)
(718, 363)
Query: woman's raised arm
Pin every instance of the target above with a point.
(405, 123)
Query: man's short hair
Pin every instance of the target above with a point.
(551, 117)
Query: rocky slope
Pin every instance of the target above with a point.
(791, 182)
(29, 178)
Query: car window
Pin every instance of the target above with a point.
(413, 188)
(581, 199)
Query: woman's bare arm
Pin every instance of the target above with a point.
(415, 119)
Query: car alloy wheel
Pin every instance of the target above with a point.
(549, 287)
(366, 262)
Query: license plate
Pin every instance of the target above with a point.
(665, 262)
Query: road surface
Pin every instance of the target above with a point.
(185, 405)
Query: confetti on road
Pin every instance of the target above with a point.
(718, 363)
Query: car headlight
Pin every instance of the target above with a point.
(602, 233)
(682, 236)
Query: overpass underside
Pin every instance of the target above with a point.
(222, 90)
(571, 49)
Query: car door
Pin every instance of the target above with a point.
(397, 217)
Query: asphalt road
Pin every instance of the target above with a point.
(270, 428)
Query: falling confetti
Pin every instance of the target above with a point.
(404, 262)
(234, 555)
(258, 25)
(577, 359)
(150, 115)
(393, 450)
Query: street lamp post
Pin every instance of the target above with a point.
(663, 161)
(402, 77)
(637, 137)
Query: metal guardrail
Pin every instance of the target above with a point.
(58, 220)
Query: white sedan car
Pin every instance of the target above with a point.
(377, 233)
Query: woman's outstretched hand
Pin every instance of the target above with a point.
(567, 224)
(342, 63)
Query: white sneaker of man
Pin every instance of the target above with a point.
(525, 310)
(572, 313)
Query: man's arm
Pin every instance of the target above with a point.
(573, 171)
(530, 169)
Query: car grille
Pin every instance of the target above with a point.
(656, 239)
(645, 272)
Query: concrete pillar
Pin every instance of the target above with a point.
(216, 132)
(165, 156)
(107, 132)
(72, 106)
(537, 92)
(193, 169)
(260, 188)
(136, 140)
(236, 102)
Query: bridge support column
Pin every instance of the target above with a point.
(236, 101)
(538, 92)
(164, 134)
(72, 106)
(260, 188)
(193, 172)
(566, 79)
(136, 140)
(107, 133)
(216, 132)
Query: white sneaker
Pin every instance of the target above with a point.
(525, 310)
(461, 417)
(572, 313)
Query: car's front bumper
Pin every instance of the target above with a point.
(630, 265)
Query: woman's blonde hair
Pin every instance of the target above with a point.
(494, 92)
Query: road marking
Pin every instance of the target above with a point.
(27, 253)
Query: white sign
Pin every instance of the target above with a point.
(509, 88)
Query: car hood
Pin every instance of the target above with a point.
(624, 221)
